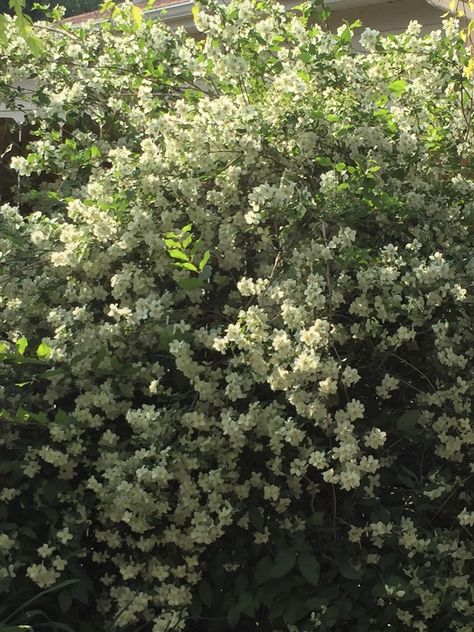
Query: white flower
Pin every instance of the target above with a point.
(466, 518)
(41, 575)
(350, 479)
(368, 39)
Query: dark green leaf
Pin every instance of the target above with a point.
(296, 610)
(317, 519)
(279, 607)
(246, 604)
(256, 518)
(233, 616)
(189, 284)
(315, 603)
(79, 592)
(28, 532)
(263, 570)
(348, 571)
(309, 567)
(62, 418)
(65, 600)
(324, 161)
(196, 608)
(331, 616)
(205, 593)
(241, 584)
(407, 422)
(283, 563)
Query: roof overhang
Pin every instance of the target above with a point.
(180, 13)
(444, 5)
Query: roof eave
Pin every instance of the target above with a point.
(180, 13)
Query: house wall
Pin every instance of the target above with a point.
(387, 16)
(391, 17)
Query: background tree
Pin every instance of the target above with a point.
(73, 7)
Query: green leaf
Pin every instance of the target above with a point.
(204, 260)
(315, 603)
(21, 345)
(317, 519)
(283, 563)
(40, 595)
(408, 421)
(79, 592)
(186, 266)
(241, 584)
(178, 254)
(166, 336)
(346, 35)
(205, 593)
(278, 608)
(65, 600)
(28, 532)
(195, 12)
(137, 16)
(347, 570)
(398, 87)
(331, 616)
(263, 570)
(380, 514)
(246, 604)
(186, 228)
(43, 351)
(22, 414)
(324, 161)
(62, 418)
(309, 567)
(296, 610)
(41, 417)
(233, 616)
(196, 608)
(193, 283)
(256, 518)
(172, 243)
(95, 151)
(302, 74)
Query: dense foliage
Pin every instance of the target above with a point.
(72, 7)
(236, 319)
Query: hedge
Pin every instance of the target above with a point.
(236, 327)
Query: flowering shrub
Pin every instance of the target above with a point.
(236, 327)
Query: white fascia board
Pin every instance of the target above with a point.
(443, 5)
(180, 14)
